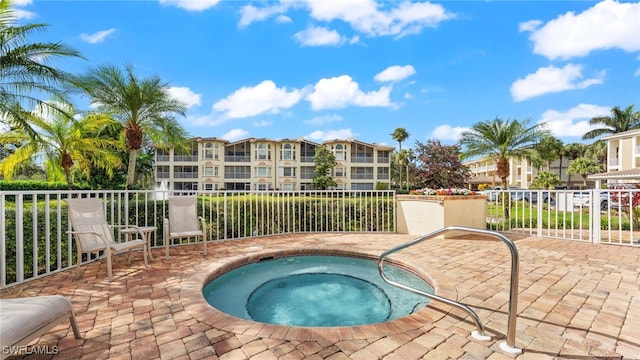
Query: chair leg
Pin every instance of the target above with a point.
(109, 266)
(78, 261)
(146, 250)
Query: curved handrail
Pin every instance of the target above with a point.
(513, 293)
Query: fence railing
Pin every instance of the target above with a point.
(33, 225)
(599, 216)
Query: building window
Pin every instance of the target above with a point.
(263, 171)
(288, 152)
(339, 172)
(210, 171)
(208, 151)
(208, 187)
(286, 171)
(262, 187)
(263, 152)
(339, 152)
(286, 187)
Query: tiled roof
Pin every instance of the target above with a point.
(624, 174)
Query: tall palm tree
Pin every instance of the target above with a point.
(619, 121)
(142, 105)
(572, 151)
(549, 150)
(501, 140)
(597, 151)
(584, 166)
(25, 70)
(400, 135)
(64, 142)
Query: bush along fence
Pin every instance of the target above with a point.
(34, 242)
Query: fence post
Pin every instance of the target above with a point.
(594, 216)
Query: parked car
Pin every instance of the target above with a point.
(532, 197)
(582, 199)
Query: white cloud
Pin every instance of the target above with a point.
(97, 36)
(530, 25)
(552, 79)
(261, 123)
(340, 92)
(573, 122)
(191, 5)
(21, 14)
(319, 36)
(395, 73)
(325, 119)
(341, 134)
(264, 98)
(365, 16)
(607, 25)
(250, 13)
(447, 132)
(283, 19)
(235, 134)
(185, 95)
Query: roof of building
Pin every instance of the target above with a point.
(624, 174)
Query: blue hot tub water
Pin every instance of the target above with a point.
(315, 291)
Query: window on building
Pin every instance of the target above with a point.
(208, 187)
(262, 187)
(339, 152)
(263, 152)
(263, 171)
(286, 187)
(288, 152)
(286, 171)
(339, 172)
(207, 153)
(210, 170)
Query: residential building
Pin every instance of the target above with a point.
(623, 158)
(267, 164)
(521, 174)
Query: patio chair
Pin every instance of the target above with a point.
(27, 318)
(94, 234)
(183, 221)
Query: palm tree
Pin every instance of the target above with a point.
(619, 121)
(584, 166)
(142, 106)
(400, 135)
(64, 142)
(502, 139)
(572, 151)
(549, 150)
(598, 151)
(25, 71)
(546, 180)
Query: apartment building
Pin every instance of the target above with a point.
(266, 164)
(623, 158)
(521, 173)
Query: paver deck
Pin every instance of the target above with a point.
(576, 301)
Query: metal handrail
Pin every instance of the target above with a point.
(510, 345)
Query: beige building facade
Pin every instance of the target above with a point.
(265, 164)
(623, 159)
(521, 175)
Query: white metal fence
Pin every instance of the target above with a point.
(598, 216)
(33, 225)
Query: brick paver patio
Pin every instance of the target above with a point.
(576, 301)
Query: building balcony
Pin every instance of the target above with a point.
(237, 158)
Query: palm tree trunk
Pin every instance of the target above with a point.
(131, 171)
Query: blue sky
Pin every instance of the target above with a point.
(336, 69)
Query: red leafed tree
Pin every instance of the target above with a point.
(439, 166)
(627, 196)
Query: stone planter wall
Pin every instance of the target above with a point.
(422, 214)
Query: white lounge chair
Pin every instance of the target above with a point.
(183, 221)
(27, 318)
(93, 233)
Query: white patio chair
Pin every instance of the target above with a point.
(93, 233)
(25, 319)
(183, 221)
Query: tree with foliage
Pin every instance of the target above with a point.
(25, 70)
(439, 166)
(545, 180)
(597, 151)
(65, 143)
(549, 150)
(501, 140)
(572, 151)
(143, 106)
(619, 121)
(324, 161)
(400, 135)
(584, 166)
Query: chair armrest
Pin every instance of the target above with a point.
(106, 244)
